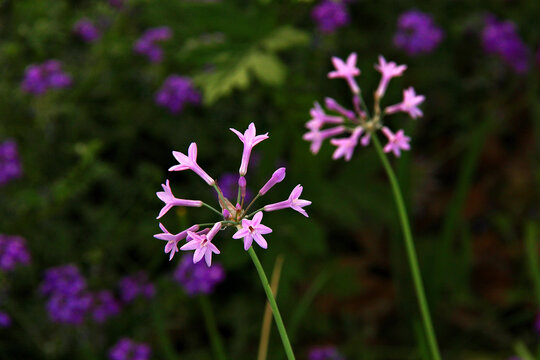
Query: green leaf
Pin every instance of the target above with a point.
(284, 38)
(268, 68)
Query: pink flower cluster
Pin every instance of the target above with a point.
(248, 225)
(360, 125)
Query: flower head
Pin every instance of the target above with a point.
(346, 146)
(388, 70)
(417, 33)
(127, 349)
(324, 353)
(134, 286)
(253, 230)
(172, 240)
(330, 15)
(13, 252)
(346, 70)
(104, 305)
(170, 200)
(318, 136)
(319, 118)
(294, 202)
(39, 78)
(86, 30)
(250, 139)
(147, 44)
(177, 91)
(5, 320)
(409, 104)
(189, 162)
(396, 142)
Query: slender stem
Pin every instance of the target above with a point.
(531, 250)
(267, 318)
(523, 352)
(273, 305)
(211, 327)
(220, 195)
(411, 252)
(253, 213)
(212, 208)
(252, 201)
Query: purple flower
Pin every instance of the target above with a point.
(175, 92)
(202, 244)
(147, 43)
(198, 278)
(276, 178)
(318, 136)
(396, 142)
(346, 146)
(127, 349)
(189, 162)
(253, 230)
(170, 200)
(324, 353)
(39, 78)
(69, 308)
(86, 30)
(388, 70)
(104, 305)
(117, 4)
(64, 279)
(319, 118)
(346, 70)
(13, 252)
(134, 286)
(330, 15)
(10, 165)
(502, 39)
(173, 240)
(409, 104)
(294, 202)
(250, 139)
(417, 33)
(333, 105)
(5, 320)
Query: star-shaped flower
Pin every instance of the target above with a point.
(388, 70)
(294, 202)
(253, 230)
(202, 244)
(190, 163)
(319, 118)
(396, 142)
(346, 146)
(172, 240)
(250, 139)
(409, 105)
(316, 137)
(346, 70)
(170, 200)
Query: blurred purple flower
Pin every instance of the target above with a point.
(13, 252)
(175, 92)
(127, 349)
(65, 279)
(104, 305)
(417, 33)
(86, 30)
(68, 308)
(198, 278)
(117, 4)
(5, 320)
(39, 78)
(330, 15)
(10, 165)
(147, 43)
(324, 353)
(501, 38)
(134, 286)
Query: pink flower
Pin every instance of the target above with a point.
(190, 162)
(346, 71)
(388, 70)
(317, 137)
(250, 139)
(168, 198)
(319, 118)
(253, 230)
(333, 105)
(276, 178)
(172, 240)
(292, 202)
(409, 105)
(345, 147)
(202, 244)
(396, 142)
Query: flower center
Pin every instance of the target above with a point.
(251, 229)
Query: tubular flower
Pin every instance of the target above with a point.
(233, 213)
(360, 124)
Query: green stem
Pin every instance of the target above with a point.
(253, 213)
(411, 252)
(273, 305)
(531, 250)
(213, 209)
(211, 327)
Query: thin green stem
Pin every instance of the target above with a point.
(531, 250)
(211, 327)
(411, 253)
(220, 195)
(523, 352)
(273, 304)
(252, 202)
(253, 213)
(213, 209)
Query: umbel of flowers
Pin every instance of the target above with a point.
(360, 124)
(233, 212)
